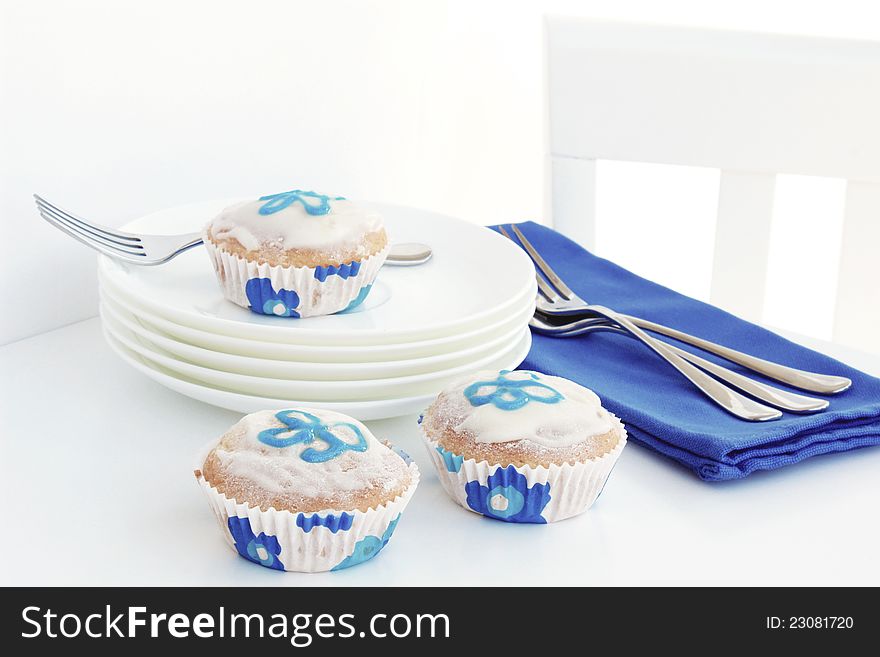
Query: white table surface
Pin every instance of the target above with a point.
(96, 474)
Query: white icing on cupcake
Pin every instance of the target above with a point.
(498, 407)
(294, 227)
(310, 452)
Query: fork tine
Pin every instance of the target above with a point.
(504, 232)
(543, 266)
(118, 235)
(112, 253)
(106, 248)
(125, 247)
(548, 292)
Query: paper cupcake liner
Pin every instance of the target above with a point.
(523, 494)
(294, 291)
(306, 542)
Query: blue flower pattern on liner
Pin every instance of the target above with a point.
(334, 523)
(262, 549)
(343, 271)
(315, 204)
(359, 299)
(507, 497)
(511, 394)
(451, 461)
(302, 427)
(367, 548)
(265, 300)
(402, 454)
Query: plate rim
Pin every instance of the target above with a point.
(361, 410)
(525, 312)
(326, 334)
(330, 385)
(526, 295)
(151, 337)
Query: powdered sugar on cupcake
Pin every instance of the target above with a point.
(498, 407)
(293, 226)
(296, 254)
(305, 490)
(307, 454)
(521, 447)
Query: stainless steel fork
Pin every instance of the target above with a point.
(783, 399)
(128, 247)
(601, 318)
(570, 305)
(730, 400)
(157, 249)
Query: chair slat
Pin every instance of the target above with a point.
(742, 242)
(857, 317)
(715, 98)
(574, 199)
(752, 105)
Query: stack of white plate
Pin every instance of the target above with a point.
(420, 328)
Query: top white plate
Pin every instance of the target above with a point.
(475, 276)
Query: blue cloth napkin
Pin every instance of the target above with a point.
(664, 411)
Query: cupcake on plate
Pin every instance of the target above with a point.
(522, 446)
(297, 253)
(305, 490)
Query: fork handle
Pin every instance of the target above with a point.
(822, 383)
(728, 399)
(787, 401)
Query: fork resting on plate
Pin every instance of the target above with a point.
(150, 250)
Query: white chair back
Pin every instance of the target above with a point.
(751, 105)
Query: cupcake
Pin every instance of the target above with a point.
(305, 490)
(296, 254)
(522, 446)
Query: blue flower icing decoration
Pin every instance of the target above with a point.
(314, 203)
(507, 496)
(367, 548)
(511, 394)
(334, 523)
(264, 300)
(262, 549)
(451, 461)
(302, 427)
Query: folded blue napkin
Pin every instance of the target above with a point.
(663, 410)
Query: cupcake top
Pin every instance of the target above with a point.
(521, 418)
(305, 460)
(299, 221)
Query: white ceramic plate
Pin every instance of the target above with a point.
(242, 403)
(326, 353)
(475, 276)
(337, 391)
(269, 368)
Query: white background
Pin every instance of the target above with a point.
(114, 109)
